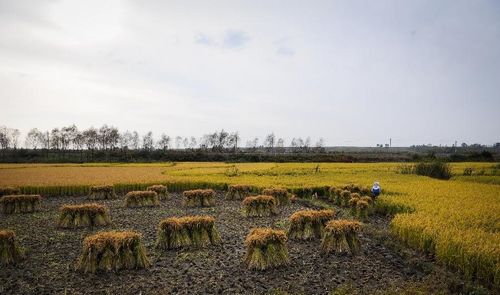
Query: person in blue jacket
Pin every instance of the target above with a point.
(376, 190)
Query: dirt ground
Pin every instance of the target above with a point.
(52, 253)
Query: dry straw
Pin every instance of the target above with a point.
(280, 194)
(238, 192)
(83, 215)
(10, 251)
(112, 251)
(199, 198)
(362, 208)
(259, 206)
(159, 189)
(266, 248)
(309, 224)
(20, 203)
(345, 196)
(187, 231)
(341, 236)
(102, 192)
(141, 199)
(9, 190)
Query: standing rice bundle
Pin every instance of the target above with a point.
(20, 203)
(259, 206)
(199, 198)
(112, 251)
(362, 208)
(141, 199)
(9, 190)
(188, 231)
(280, 194)
(102, 192)
(10, 251)
(341, 236)
(266, 248)
(345, 196)
(83, 215)
(238, 192)
(160, 190)
(367, 199)
(353, 201)
(309, 224)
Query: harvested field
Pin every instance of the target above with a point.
(52, 254)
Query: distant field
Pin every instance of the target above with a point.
(458, 220)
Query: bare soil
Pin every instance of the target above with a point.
(52, 253)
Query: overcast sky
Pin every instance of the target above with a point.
(352, 72)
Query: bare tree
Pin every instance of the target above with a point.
(164, 142)
(147, 141)
(253, 143)
(91, 138)
(178, 142)
(192, 142)
(233, 140)
(34, 139)
(4, 137)
(135, 140)
(185, 143)
(55, 139)
(269, 141)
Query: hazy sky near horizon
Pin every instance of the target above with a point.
(352, 72)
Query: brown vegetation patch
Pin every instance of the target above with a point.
(83, 215)
(187, 231)
(20, 203)
(309, 224)
(266, 248)
(10, 251)
(141, 199)
(259, 206)
(341, 236)
(160, 189)
(280, 194)
(112, 251)
(102, 192)
(199, 198)
(238, 192)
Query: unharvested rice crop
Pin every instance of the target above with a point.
(10, 251)
(238, 191)
(159, 189)
(309, 224)
(102, 192)
(141, 199)
(9, 190)
(456, 220)
(112, 251)
(280, 194)
(187, 231)
(199, 198)
(83, 215)
(20, 203)
(266, 248)
(341, 236)
(259, 206)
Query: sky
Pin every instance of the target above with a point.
(355, 73)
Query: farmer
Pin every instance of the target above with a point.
(376, 190)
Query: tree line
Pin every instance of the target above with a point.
(110, 138)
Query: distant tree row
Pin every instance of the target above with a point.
(110, 138)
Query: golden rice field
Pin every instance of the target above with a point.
(457, 220)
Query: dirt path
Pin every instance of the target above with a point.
(52, 253)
